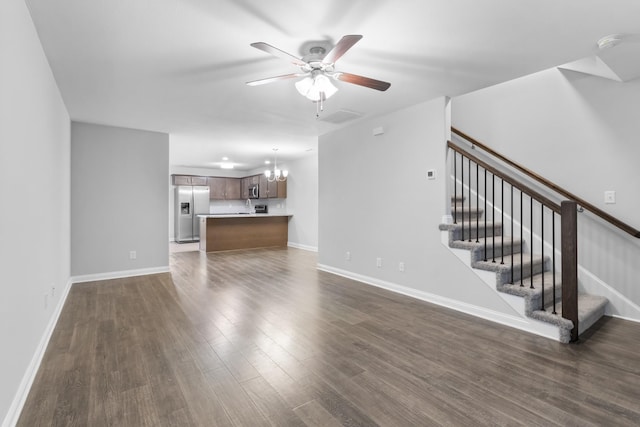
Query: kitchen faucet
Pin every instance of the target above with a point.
(248, 204)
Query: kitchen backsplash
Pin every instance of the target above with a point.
(236, 206)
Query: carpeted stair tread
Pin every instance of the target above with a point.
(504, 264)
(466, 212)
(493, 246)
(590, 309)
(472, 229)
(533, 297)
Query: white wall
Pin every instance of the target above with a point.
(581, 132)
(118, 200)
(34, 218)
(375, 201)
(302, 202)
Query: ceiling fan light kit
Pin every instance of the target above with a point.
(316, 87)
(318, 69)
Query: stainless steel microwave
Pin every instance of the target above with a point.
(254, 191)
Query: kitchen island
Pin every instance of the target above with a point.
(226, 232)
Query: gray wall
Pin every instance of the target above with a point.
(118, 199)
(375, 201)
(302, 202)
(34, 218)
(580, 132)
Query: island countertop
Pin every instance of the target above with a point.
(242, 215)
(224, 232)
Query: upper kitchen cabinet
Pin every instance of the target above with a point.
(272, 190)
(224, 188)
(277, 190)
(244, 188)
(188, 180)
(264, 187)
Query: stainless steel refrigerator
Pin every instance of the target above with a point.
(190, 201)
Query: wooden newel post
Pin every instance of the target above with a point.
(569, 233)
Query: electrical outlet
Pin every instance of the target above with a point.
(401, 266)
(610, 197)
(46, 300)
(347, 256)
(133, 255)
(53, 290)
(379, 262)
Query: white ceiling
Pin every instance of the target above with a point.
(180, 66)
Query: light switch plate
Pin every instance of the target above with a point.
(431, 174)
(610, 197)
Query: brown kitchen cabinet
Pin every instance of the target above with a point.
(188, 180)
(244, 188)
(221, 188)
(224, 188)
(272, 190)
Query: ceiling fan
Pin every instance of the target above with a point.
(318, 69)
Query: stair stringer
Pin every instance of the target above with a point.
(517, 303)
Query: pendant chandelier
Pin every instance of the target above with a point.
(276, 174)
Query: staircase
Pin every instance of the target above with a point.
(518, 272)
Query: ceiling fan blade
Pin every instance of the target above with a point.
(341, 48)
(279, 53)
(362, 81)
(274, 79)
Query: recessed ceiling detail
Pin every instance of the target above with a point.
(617, 58)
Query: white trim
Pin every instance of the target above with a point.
(623, 318)
(11, 419)
(524, 324)
(303, 247)
(119, 274)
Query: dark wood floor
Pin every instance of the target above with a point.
(261, 337)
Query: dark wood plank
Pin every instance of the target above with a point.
(260, 337)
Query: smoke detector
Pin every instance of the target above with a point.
(609, 41)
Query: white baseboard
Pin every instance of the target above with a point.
(524, 324)
(20, 397)
(119, 274)
(304, 247)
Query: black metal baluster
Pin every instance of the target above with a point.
(501, 220)
(455, 188)
(477, 203)
(485, 215)
(493, 217)
(521, 241)
(531, 233)
(469, 170)
(542, 249)
(512, 220)
(462, 192)
(553, 255)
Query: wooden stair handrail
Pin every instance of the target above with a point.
(514, 182)
(583, 203)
